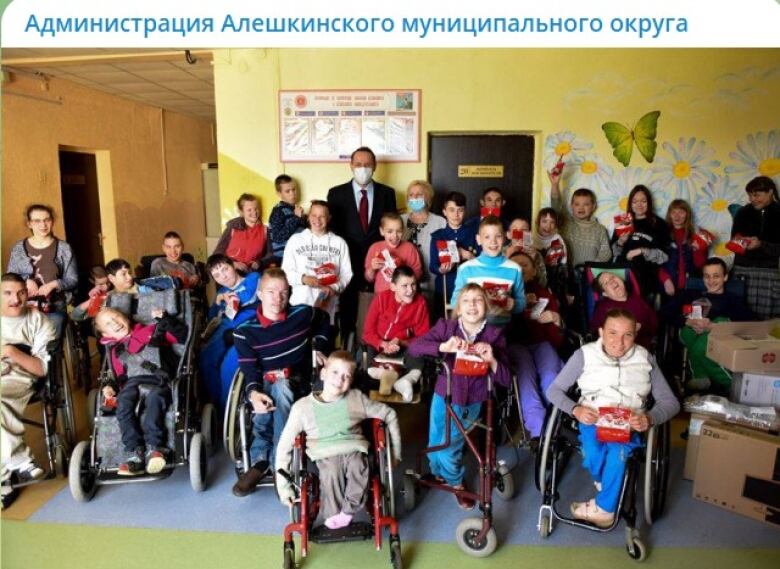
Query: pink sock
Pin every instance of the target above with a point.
(340, 520)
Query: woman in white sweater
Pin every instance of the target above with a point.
(316, 262)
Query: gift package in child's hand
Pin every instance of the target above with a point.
(738, 244)
(612, 426)
(497, 293)
(390, 265)
(448, 252)
(558, 168)
(231, 306)
(326, 274)
(555, 253)
(624, 224)
(538, 308)
(95, 304)
(485, 211)
(468, 362)
(524, 239)
(702, 240)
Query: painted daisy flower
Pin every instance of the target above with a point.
(757, 155)
(711, 208)
(614, 198)
(563, 145)
(588, 171)
(687, 168)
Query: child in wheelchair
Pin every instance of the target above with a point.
(473, 349)
(612, 372)
(140, 359)
(331, 420)
(394, 319)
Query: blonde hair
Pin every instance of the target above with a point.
(426, 188)
(471, 287)
(341, 355)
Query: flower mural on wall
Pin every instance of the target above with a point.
(588, 171)
(614, 198)
(711, 210)
(684, 169)
(565, 146)
(757, 155)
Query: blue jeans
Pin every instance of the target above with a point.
(536, 367)
(267, 428)
(607, 464)
(448, 463)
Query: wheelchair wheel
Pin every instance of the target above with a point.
(545, 525)
(65, 405)
(385, 462)
(544, 453)
(208, 427)
(466, 535)
(82, 479)
(91, 407)
(231, 435)
(410, 492)
(656, 472)
(637, 550)
(289, 555)
(505, 483)
(198, 462)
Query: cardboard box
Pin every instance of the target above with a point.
(745, 346)
(738, 469)
(756, 389)
(692, 447)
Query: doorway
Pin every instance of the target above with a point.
(472, 162)
(81, 208)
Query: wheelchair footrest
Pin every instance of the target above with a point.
(358, 531)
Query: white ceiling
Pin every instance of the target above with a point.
(157, 77)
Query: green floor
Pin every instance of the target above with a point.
(28, 545)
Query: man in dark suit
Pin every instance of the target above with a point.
(356, 208)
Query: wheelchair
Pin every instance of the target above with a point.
(380, 503)
(54, 393)
(476, 536)
(190, 429)
(555, 450)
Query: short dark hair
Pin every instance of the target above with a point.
(402, 271)
(13, 278)
(116, 265)
(584, 193)
(596, 285)
(38, 206)
(619, 313)
(486, 191)
(173, 235)
(458, 198)
(281, 179)
(218, 259)
(243, 198)
(548, 211)
(363, 149)
(321, 203)
(761, 184)
(98, 272)
(712, 261)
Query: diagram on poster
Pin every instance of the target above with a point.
(326, 126)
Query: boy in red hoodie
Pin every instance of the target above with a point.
(394, 319)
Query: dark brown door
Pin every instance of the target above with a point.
(470, 163)
(81, 208)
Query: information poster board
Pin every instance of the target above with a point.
(326, 126)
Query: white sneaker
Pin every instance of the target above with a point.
(30, 472)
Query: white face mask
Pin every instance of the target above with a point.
(362, 175)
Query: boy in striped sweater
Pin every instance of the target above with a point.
(499, 277)
(332, 419)
(275, 356)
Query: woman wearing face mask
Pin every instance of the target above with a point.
(758, 223)
(420, 223)
(46, 263)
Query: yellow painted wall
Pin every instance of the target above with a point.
(718, 96)
(130, 136)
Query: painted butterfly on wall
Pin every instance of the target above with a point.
(623, 139)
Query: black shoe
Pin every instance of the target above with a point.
(10, 498)
(251, 478)
(134, 465)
